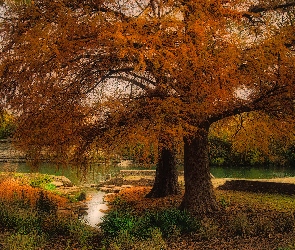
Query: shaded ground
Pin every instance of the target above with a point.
(279, 242)
(247, 220)
(259, 186)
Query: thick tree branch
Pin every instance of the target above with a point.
(257, 9)
(113, 74)
(132, 81)
(110, 74)
(256, 104)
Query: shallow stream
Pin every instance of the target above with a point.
(96, 206)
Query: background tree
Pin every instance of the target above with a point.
(251, 140)
(7, 125)
(202, 61)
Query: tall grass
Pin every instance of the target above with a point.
(29, 213)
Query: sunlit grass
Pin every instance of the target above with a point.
(275, 202)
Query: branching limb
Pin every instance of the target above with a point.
(258, 9)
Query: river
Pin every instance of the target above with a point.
(13, 161)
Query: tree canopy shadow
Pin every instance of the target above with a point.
(259, 187)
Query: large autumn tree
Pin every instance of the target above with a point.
(189, 63)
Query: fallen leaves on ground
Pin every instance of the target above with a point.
(135, 197)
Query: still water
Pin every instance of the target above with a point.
(98, 172)
(252, 173)
(95, 174)
(12, 160)
(9, 161)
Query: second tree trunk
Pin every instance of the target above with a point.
(166, 181)
(199, 198)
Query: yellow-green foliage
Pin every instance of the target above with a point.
(7, 125)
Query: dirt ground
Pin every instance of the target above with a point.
(217, 182)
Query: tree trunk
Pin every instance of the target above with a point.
(166, 181)
(199, 198)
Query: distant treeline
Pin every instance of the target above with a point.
(222, 153)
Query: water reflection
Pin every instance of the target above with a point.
(96, 209)
(251, 173)
(94, 175)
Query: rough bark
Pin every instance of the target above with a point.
(166, 180)
(199, 198)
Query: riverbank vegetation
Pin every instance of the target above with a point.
(246, 221)
(29, 219)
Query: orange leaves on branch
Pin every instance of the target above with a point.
(187, 63)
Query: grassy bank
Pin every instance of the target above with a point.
(30, 219)
(245, 221)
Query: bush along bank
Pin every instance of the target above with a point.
(29, 219)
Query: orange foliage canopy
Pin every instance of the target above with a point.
(173, 65)
(100, 71)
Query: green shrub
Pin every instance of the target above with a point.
(49, 186)
(81, 196)
(173, 221)
(41, 181)
(224, 202)
(116, 222)
(127, 228)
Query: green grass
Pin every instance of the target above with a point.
(32, 228)
(19, 240)
(167, 221)
(276, 202)
(125, 227)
